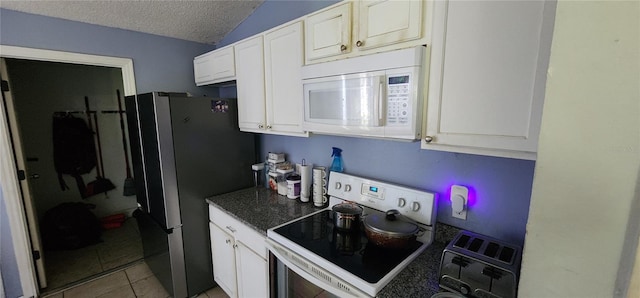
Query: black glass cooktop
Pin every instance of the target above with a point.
(348, 250)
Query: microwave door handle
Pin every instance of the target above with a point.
(379, 101)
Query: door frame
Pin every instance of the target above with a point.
(8, 178)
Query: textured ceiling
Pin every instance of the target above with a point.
(205, 21)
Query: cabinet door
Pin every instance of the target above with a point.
(224, 261)
(223, 64)
(214, 67)
(488, 73)
(250, 84)
(253, 273)
(384, 22)
(283, 62)
(202, 69)
(328, 33)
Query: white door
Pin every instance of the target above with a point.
(250, 84)
(25, 176)
(224, 260)
(283, 61)
(253, 273)
(402, 22)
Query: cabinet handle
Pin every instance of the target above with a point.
(235, 246)
(268, 126)
(343, 48)
(231, 229)
(428, 139)
(228, 241)
(359, 43)
(260, 126)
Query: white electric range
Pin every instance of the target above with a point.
(310, 257)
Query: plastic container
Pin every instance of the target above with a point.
(281, 180)
(273, 181)
(336, 163)
(293, 186)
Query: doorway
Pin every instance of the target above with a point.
(38, 88)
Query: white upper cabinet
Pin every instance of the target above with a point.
(328, 33)
(283, 52)
(250, 84)
(214, 67)
(384, 22)
(268, 81)
(355, 27)
(487, 76)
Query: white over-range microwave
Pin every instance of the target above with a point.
(378, 95)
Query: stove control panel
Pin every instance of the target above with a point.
(373, 191)
(416, 204)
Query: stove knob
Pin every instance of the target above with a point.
(401, 202)
(347, 187)
(415, 206)
(338, 185)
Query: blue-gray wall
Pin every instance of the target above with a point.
(160, 63)
(501, 187)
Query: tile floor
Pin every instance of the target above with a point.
(120, 246)
(134, 281)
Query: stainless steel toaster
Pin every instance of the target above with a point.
(480, 266)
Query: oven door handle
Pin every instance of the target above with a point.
(304, 274)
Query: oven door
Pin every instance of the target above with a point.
(291, 275)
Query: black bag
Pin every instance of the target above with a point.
(70, 226)
(74, 151)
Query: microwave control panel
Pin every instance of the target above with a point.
(398, 101)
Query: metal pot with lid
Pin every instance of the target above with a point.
(391, 230)
(346, 216)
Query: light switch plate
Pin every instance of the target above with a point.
(459, 199)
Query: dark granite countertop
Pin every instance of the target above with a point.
(262, 209)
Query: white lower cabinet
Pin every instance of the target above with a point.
(239, 254)
(224, 263)
(253, 272)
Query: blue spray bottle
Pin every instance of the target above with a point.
(336, 164)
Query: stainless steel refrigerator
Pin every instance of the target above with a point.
(183, 150)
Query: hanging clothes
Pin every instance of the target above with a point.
(74, 151)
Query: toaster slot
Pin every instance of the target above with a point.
(506, 255)
(462, 241)
(492, 249)
(475, 245)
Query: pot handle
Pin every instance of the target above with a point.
(394, 214)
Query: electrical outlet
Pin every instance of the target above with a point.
(459, 199)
